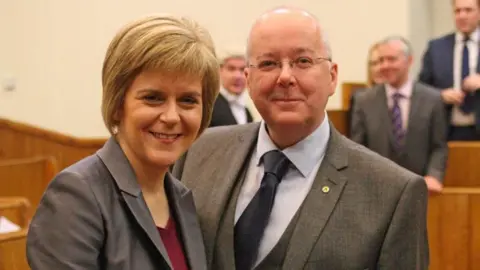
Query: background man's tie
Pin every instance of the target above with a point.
(469, 100)
(397, 122)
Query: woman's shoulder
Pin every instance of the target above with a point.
(89, 169)
(88, 175)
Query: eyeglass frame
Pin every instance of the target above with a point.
(291, 63)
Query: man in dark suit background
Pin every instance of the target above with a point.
(401, 119)
(452, 65)
(231, 104)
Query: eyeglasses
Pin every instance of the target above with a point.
(299, 64)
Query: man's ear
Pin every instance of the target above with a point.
(333, 78)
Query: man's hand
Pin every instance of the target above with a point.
(471, 83)
(433, 185)
(452, 96)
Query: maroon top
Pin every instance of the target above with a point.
(170, 239)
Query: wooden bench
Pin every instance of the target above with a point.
(13, 251)
(20, 140)
(463, 166)
(454, 229)
(26, 178)
(15, 209)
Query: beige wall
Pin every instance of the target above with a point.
(442, 18)
(54, 48)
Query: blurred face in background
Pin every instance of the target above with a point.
(467, 15)
(374, 66)
(394, 63)
(232, 75)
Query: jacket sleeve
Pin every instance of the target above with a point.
(66, 231)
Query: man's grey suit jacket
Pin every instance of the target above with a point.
(425, 147)
(373, 215)
(93, 216)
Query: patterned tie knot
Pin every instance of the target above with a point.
(276, 163)
(397, 96)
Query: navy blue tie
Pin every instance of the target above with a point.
(469, 100)
(251, 224)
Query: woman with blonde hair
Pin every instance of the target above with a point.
(374, 76)
(120, 208)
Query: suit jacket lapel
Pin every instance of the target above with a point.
(415, 108)
(318, 205)
(223, 176)
(227, 111)
(447, 55)
(382, 111)
(117, 163)
(181, 201)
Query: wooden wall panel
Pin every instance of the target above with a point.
(24, 141)
(463, 166)
(454, 229)
(15, 209)
(339, 119)
(12, 251)
(348, 88)
(26, 178)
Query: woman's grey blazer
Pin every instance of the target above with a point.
(93, 216)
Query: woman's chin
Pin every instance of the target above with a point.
(163, 160)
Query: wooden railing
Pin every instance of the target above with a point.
(348, 89)
(20, 140)
(454, 229)
(463, 166)
(27, 178)
(12, 251)
(16, 210)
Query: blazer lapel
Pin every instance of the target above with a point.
(385, 122)
(414, 112)
(447, 55)
(318, 205)
(223, 176)
(117, 163)
(181, 200)
(226, 110)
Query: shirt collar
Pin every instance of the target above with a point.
(405, 90)
(305, 154)
(232, 98)
(474, 36)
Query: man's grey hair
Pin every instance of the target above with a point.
(229, 53)
(406, 46)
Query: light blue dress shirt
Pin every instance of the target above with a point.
(306, 157)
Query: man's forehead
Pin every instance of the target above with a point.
(465, 3)
(235, 62)
(273, 52)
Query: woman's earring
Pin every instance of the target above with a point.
(115, 130)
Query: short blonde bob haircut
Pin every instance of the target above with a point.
(175, 45)
(371, 50)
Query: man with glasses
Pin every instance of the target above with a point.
(401, 119)
(291, 192)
